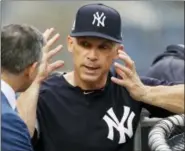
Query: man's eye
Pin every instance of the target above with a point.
(104, 47)
(84, 44)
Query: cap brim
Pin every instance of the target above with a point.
(95, 34)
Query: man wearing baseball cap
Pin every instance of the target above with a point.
(89, 108)
(98, 21)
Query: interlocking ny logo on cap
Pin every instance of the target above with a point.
(100, 19)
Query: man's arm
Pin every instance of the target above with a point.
(27, 106)
(156, 111)
(168, 97)
(15, 135)
(163, 94)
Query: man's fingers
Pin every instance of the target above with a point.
(128, 61)
(56, 65)
(53, 52)
(45, 33)
(120, 73)
(47, 56)
(48, 33)
(124, 70)
(51, 42)
(121, 52)
(117, 81)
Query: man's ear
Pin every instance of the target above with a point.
(70, 43)
(121, 47)
(118, 47)
(31, 71)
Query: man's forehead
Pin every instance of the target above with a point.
(95, 39)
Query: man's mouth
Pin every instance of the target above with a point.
(91, 67)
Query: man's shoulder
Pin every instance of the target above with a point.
(15, 134)
(55, 79)
(13, 126)
(11, 119)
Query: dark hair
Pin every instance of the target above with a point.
(21, 46)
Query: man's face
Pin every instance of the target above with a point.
(92, 57)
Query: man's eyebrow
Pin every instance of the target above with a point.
(108, 42)
(80, 39)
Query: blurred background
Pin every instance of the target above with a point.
(148, 26)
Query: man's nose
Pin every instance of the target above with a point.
(92, 55)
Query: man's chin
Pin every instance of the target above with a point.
(90, 78)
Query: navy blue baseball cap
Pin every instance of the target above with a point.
(98, 20)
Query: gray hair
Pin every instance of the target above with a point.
(21, 46)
